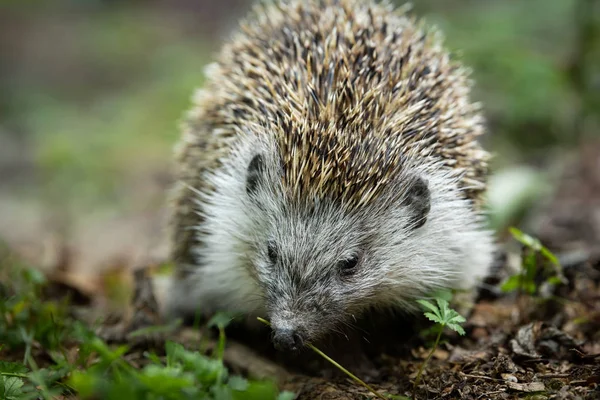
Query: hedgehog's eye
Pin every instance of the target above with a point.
(272, 252)
(348, 266)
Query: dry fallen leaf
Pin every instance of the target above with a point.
(526, 387)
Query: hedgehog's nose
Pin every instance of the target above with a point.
(287, 339)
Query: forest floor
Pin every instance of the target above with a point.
(543, 345)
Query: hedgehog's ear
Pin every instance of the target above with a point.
(254, 174)
(418, 200)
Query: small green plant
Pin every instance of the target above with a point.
(30, 327)
(525, 280)
(47, 354)
(443, 316)
(183, 375)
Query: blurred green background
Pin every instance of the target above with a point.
(91, 92)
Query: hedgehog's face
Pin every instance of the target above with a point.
(320, 265)
(314, 276)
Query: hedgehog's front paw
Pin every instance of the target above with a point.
(141, 322)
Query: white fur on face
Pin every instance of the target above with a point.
(398, 264)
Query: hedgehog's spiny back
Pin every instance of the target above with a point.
(349, 90)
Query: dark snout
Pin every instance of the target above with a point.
(288, 339)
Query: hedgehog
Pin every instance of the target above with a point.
(329, 168)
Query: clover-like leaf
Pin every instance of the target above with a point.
(433, 317)
(443, 307)
(456, 318)
(456, 327)
(443, 315)
(427, 304)
(431, 307)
